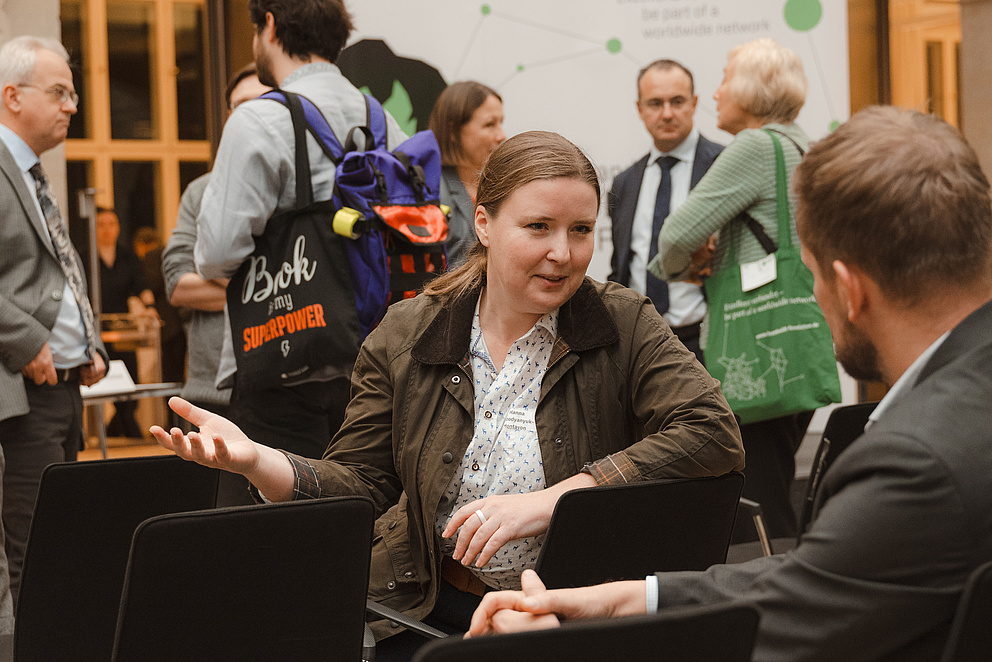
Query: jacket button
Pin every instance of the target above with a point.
(57, 295)
(447, 458)
(456, 379)
(559, 441)
(408, 575)
(391, 585)
(475, 466)
(488, 414)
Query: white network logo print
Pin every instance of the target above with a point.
(740, 384)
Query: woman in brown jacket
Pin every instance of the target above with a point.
(508, 382)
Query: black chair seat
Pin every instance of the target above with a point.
(970, 638)
(718, 633)
(274, 582)
(76, 556)
(601, 534)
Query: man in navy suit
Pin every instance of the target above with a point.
(644, 194)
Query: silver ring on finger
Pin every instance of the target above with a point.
(482, 517)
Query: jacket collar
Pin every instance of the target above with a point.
(583, 323)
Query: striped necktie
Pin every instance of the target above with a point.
(68, 258)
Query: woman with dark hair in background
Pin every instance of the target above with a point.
(468, 122)
(475, 405)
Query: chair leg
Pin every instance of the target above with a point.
(368, 645)
(754, 508)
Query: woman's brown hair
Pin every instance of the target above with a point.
(453, 110)
(526, 157)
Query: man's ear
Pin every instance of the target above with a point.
(11, 98)
(482, 225)
(270, 25)
(851, 288)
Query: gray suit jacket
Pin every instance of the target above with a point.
(31, 285)
(622, 202)
(903, 516)
(461, 221)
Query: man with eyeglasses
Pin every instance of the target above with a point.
(49, 341)
(647, 192)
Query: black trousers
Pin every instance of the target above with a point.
(52, 431)
(300, 419)
(452, 614)
(769, 468)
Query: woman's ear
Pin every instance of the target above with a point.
(482, 225)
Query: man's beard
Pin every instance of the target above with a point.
(858, 354)
(264, 69)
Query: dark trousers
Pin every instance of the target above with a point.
(769, 468)
(689, 335)
(300, 419)
(50, 432)
(452, 614)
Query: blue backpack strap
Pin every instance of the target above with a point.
(376, 120)
(316, 122)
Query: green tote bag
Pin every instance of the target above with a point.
(770, 347)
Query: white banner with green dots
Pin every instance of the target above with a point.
(571, 65)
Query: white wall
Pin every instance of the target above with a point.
(571, 67)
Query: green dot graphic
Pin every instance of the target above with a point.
(834, 125)
(520, 67)
(614, 46)
(803, 15)
(486, 10)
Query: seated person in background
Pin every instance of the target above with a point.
(508, 382)
(467, 121)
(122, 290)
(894, 216)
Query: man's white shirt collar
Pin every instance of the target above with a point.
(23, 155)
(685, 151)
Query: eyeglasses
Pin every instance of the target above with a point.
(59, 93)
(677, 103)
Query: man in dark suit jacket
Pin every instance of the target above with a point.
(895, 218)
(666, 102)
(49, 342)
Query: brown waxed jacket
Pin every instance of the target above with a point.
(618, 382)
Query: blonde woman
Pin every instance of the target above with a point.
(763, 88)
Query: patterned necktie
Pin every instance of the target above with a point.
(66, 254)
(657, 290)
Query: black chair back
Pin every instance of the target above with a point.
(285, 581)
(843, 426)
(78, 545)
(718, 633)
(616, 532)
(970, 638)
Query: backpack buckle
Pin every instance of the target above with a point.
(344, 222)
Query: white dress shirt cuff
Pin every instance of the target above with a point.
(651, 593)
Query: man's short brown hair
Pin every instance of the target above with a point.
(901, 196)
